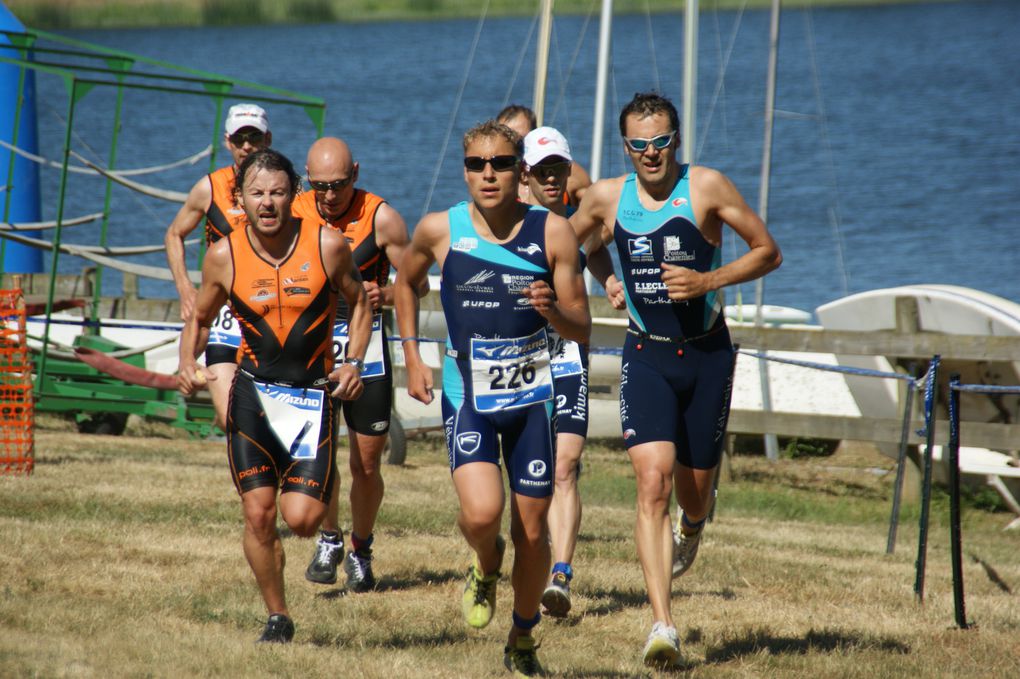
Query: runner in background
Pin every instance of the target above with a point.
(547, 162)
(377, 236)
(522, 120)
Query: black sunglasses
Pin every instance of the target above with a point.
(499, 163)
(253, 137)
(543, 170)
(336, 185)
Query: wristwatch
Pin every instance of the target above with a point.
(358, 363)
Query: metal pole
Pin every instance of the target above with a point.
(216, 136)
(901, 461)
(542, 60)
(97, 291)
(690, 82)
(599, 120)
(771, 442)
(931, 386)
(61, 194)
(955, 536)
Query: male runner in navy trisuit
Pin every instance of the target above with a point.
(667, 222)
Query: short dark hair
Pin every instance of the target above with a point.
(646, 104)
(268, 159)
(491, 128)
(513, 110)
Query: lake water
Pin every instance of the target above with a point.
(896, 160)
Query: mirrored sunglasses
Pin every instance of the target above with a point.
(639, 144)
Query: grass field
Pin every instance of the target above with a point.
(81, 14)
(121, 557)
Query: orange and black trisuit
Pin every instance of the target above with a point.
(286, 315)
(370, 414)
(224, 214)
(357, 224)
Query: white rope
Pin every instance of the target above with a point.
(565, 79)
(651, 47)
(456, 108)
(520, 58)
(39, 226)
(114, 251)
(720, 83)
(151, 191)
(67, 351)
(159, 273)
(834, 211)
(41, 160)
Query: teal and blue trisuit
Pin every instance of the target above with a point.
(677, 371)
(497, 381)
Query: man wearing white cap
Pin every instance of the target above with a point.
(522, 120)
(214, 198)
(548, 166)
(547, 159)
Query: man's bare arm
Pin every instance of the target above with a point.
(344, 276)
(723, 204)
(391, 235)
(565, 305)
(217, 271)
(414, 268)
(187, 219)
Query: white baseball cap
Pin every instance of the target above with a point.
(246, 115)
(543, 142)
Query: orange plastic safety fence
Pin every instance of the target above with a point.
(17, 414)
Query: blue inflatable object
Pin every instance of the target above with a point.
(23, 184)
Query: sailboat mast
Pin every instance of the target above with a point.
(602, 78)
(542, 60)
(771, 443)
(690, 82)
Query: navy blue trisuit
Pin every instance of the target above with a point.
(677, 371)
(497, 379)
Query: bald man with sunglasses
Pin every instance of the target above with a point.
(214, 198)
(667, 220)
(377, 236)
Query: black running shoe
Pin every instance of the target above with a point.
(279, 630)
(358, 566)
(322, 568)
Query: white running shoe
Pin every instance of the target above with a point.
(685, 548)
(662, 649)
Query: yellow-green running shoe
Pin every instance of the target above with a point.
(522, 659)
(662, 650)
(479, 600)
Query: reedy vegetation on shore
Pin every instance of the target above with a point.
(83, 14)
(122, 557)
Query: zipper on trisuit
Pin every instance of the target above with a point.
(279, 298)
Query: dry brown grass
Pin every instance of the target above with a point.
(121, 557)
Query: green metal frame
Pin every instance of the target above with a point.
(79, 80)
